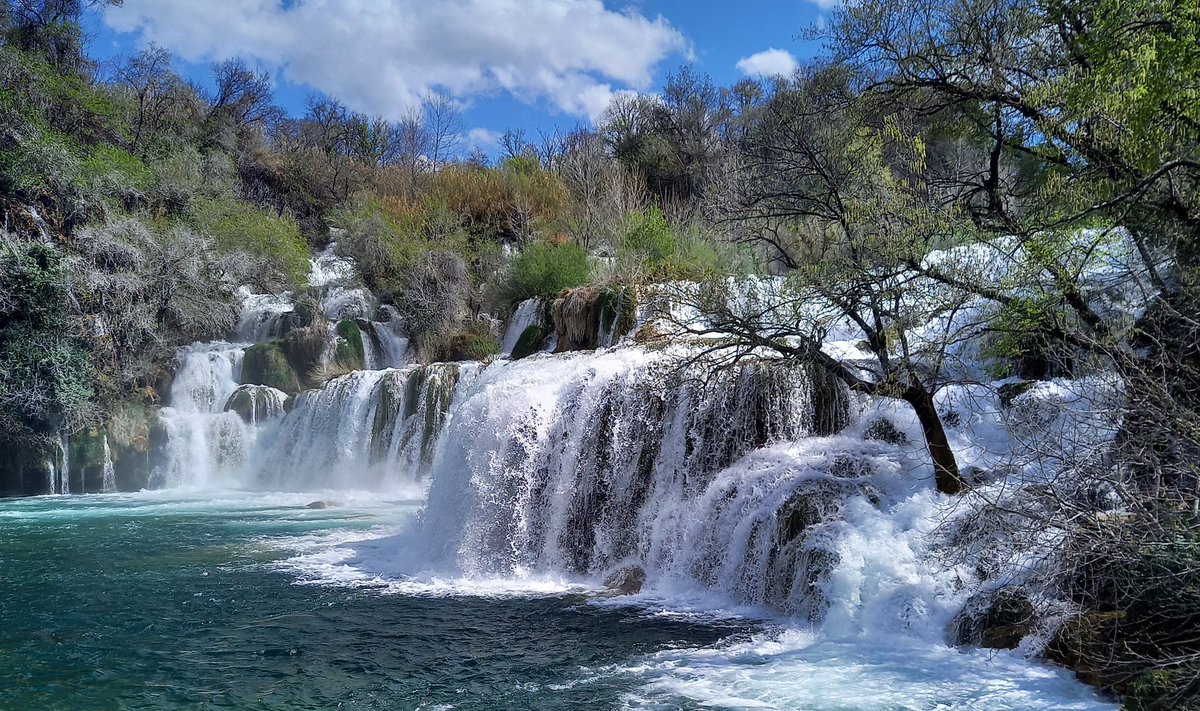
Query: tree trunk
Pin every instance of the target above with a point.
(945, 466)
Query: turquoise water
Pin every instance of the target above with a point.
(255, 601)
(152, 602)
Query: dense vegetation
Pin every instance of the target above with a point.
(136, 203)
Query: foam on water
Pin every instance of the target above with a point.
(796, 669)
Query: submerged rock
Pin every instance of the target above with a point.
(626, 581)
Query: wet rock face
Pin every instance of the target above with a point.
(626, 581)
(995, 620)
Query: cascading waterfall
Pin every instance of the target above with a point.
(528, 313)
(368, 429)
(579, 465)
(64, 474)
(205, 443)
(385, 344)
(263, 316)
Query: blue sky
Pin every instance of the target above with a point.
(532, 64)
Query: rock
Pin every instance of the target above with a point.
(255, 403)
(626, 581)
(317, 505)
(305, 350)
(530, 342)
(883, 430)
(1011, 391)
(1084, 645)
(266, 364)
(997, 619)
(350, 353)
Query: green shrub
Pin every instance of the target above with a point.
(544, 269)
(469, 346)
(47, 379)
(235, 225)
(103, 162)
(648, 237)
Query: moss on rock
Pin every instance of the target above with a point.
(350, 352)
(267, 364)
(469, 346)
(530, 341)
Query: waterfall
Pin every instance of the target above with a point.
(205, 444)
(368, 429)
(263, 316)
(528, 313)
(109, 485)
(64, 474)
(385, 344)
(581, 464)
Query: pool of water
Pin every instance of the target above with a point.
(251, 601)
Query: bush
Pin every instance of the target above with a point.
(434, 299)
(468, 346)
(46, 382)
(235, 225)
(648, 237)
(544, 269)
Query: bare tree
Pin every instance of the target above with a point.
(443, 122)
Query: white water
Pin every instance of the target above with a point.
(64, 474)
(206, 445)
(385, 344)
(262, 316)
(109, 481)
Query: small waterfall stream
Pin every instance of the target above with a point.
(109, 481)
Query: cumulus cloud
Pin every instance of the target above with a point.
(768, 63)
(484, 138)
(381, 56)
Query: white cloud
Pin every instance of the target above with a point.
(768, 63)
(484, 138)
(381, 56)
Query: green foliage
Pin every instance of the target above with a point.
(469, 345)
(649, 237)
(238, 226)
(46, 382)
(545, 269)
(110, 163)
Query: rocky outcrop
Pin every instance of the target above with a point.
(267, 364)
